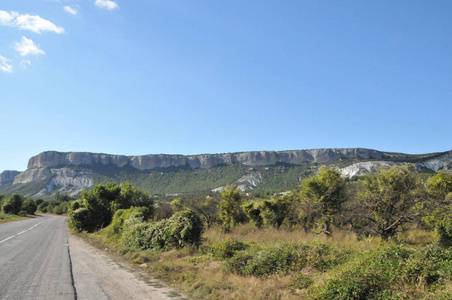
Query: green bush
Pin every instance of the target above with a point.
(115, 229)
(135, 234)
(279, 258)
(300, 282)
(373, 276)
(42, 207)
(12, 204)
(96, 208)
(228, 248)
(57, 210)
(82, 219)
(29, 207)
(427, 266)
(182, 229)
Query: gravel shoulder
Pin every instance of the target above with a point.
(99, 276)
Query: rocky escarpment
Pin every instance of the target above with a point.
(364, 168)
(52, 159)
(7, 178)
(72, 172)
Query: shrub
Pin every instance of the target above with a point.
(230, 211)
(135, 234)
(228, 248)
(42, 207)
(373, 276)
(265, 261)
(182, 229)
(300, 282)
(428, 265)
(12, 204)
(100, 204)
(57, 210)
(29, 207)
(121, 215)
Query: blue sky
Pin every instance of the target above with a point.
(190, 77)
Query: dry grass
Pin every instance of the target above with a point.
(248, 233)
(201, 276)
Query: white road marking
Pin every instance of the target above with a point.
(24, 231)
(7, 239)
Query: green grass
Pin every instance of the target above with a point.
(9, 218)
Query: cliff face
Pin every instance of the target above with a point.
(52, 159)
(54, 171)
(7, 178)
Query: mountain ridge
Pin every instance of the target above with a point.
(70, 172)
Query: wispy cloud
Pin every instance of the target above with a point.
(72, 10)
(28, 22)
(28, 47)
(108, 4)
(25, 63)
(5, 66)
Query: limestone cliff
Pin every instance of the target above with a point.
(72, 172)
(7, 178)
(52, 159)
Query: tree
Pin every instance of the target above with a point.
(96, 208)
(321, 198)
(439, 185)
(12, 204)
(131, 196)
(29, 206)
(206, 206)
(229, 210)
(176, 205)
(388, 199)
(269, 212)
(439, 188)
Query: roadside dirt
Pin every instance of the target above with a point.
(99, 276)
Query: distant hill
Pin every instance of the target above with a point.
(256, 171)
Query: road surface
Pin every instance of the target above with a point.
(39, 260)
(34, 260)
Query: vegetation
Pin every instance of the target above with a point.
(321, 198)
(388, 236)
(17, 205)
(96, 208)
(229, 210)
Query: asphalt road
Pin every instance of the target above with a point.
(34, 260)
(38, 260)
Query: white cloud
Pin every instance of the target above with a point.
(108, 4)
(25, 63)
(72, 10)
(28, 47)
(28, 22)
(5, 66)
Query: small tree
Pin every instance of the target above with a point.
(439, 188)
(229, 210)
(388, 199)
(321, 198)
(269, 212)
(96, 208)
(440, 185)
(12, 204)
(253, 211)
(204, 205)
(29, 206)
(176, 205)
